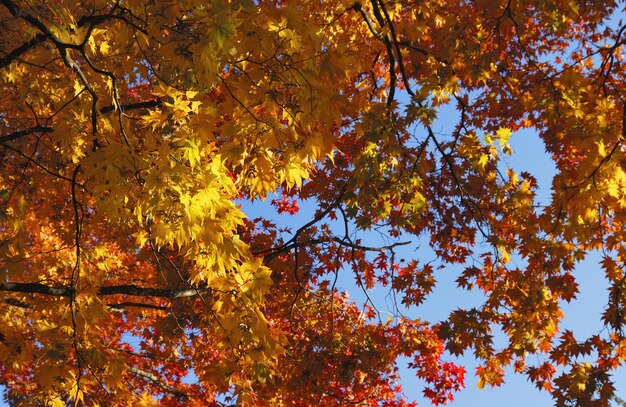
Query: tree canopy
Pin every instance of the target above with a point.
(133, 133)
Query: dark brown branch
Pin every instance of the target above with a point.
(106, 109)
(370, 24)
(118, 306)
(348, 243)
(145, 355)
(22, 133)
(21, 50)
(17, 12)
(387, 41)
(157, 382)
(78, 227)
(121, 15)
(606, 158)
(394, 38)
(17, 303)
(38, 165)
(271, 253)
(35, 288)
(131, 289)
(464, 196)
(126, 304)
(170, 293)
(62, 47)
(132, 106)
(116, 99)
(417, 49)
(342, 241)
(377, 14)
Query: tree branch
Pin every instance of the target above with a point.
(132, 106)
(17, 303)
(22, 49)
(120, 306)
(106, 109)
(131, 289)
(116, 307)
(35, 288)
(157, 382)
(22, 133)
(359, 8)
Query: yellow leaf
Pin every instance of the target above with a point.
(56, 402)
(104, 47)
(294, 174)
(78, 87)
(482, 161)
(77, 395)
(503, 134)
(141, 237)
(191, 151)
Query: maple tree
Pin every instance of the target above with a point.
(133, 131)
